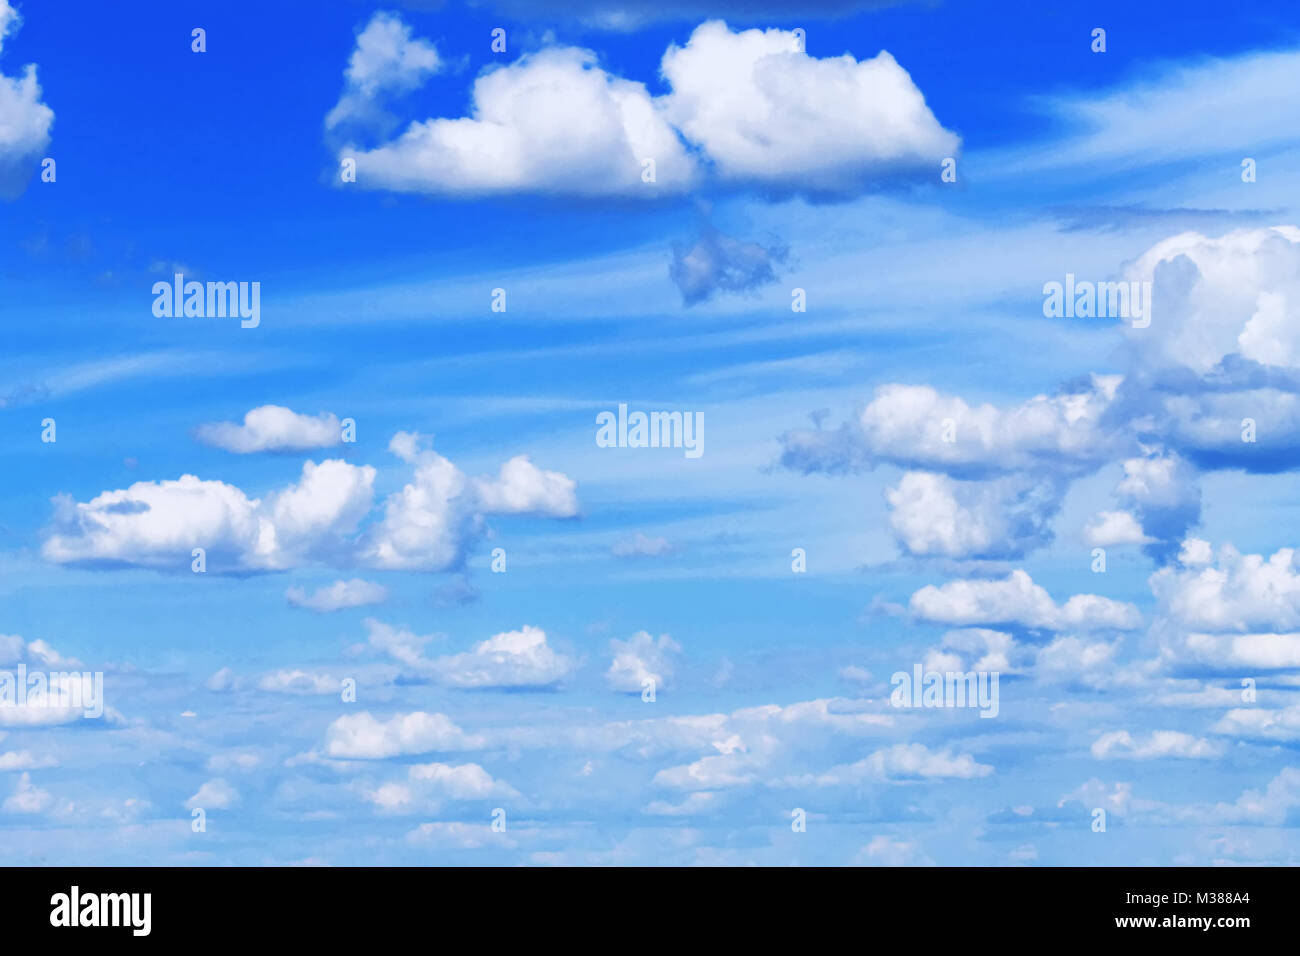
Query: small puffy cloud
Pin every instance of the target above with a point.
(701, 801)
(24, 760)
(387, 59)
(915, 426)
(157, 524)
(717, 263)
(640, 658)
(1235, 295)
(339, 595)
(363, 737)
(934, 515)
(899, 762)
(1157, 744)
(886, 851)
(523, 488)
(511, 659)
(24, 120)
(27, 797)
(1016, 599)
(748, 106)
(215, 794)
(1163, 492)
(1262, 723)
(1110, 528)
(299, 682)
(222, 682)
(642, 546)
(429, 524)
(551, 122)
(1195, 553)
(767, 113)
(1236, 593)
(428, 785)
(1229, 610)
(455, 835)
(273, 428)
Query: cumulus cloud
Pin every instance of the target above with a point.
(27, 797)
(1163, 493)
(428, 785)
(523, 488)
(1262, 723)
(898, 762)
(273, 428)
(364, 737)
(1109, 528)
(387, 59)
(512, 659)
(932, 514)
(430, 522)
(1222, 348)
(24, 120)
(641, 658)
(1016, 599)
(519, 658)
(749, 106)
(886, 851)
(716, 263)
(427, 525)
(1228, 611)
(767, 113)
(215, 794)
(1157, 744)
(642, 546)
(915, 426)
(1233, 593)
(337, 596)
(299, 682)
(551, 122)
(158, 523)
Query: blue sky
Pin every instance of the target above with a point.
(947, 457)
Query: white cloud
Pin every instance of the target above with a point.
(1239, 593)
(886, 851)
(428, 525)
(1238, 294)
(640, 545)
(767, 113)
(1017, 599)
(156, 524)
(339, 595)
(387, 59)
(299, 682)
(24, 120)
(511, 659)
(215, 794)
(361, 736)
(915, 426)
(898, 762)
(451, 834)
(1110, 528)
(1264, 723)
(755, 109)
(641, 658)
(27, 797)
(24, 760)
(273, 428)
(551, 122)
(932, 514)
(1157, 744)
(523, 488)
(427, 785)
